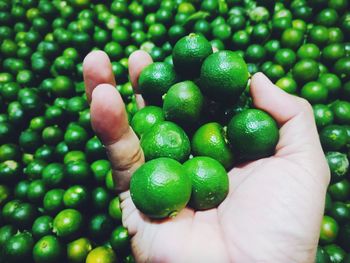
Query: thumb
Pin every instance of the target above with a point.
(299, 139)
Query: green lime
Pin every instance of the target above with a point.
(183, 103)
(340, 212)
(274, 72)
(47, 249)
(114, 209)
(6, 232)
(333, 52)
(332, 83)
(321, 256)
(166, 139)
(287, 84)
(78, 172)
(53, 201)
(340, 191)
(253, 134)
(224, 75)
(78, 250)
(75, 137)
(342, 67)
(53, 174)
(285, 57)
(18, 248)
(341, 111)
(329, 229)
(76, 196)
(155, 80)
(323, 115)
(99, 226)
(101, 254)
(34, 169)
(100, 197)
(100, 169)
(189, 53)
(333, 137)
(210, 140)
(160, 188)
(314, 92)
(23, 215)
(292, 38)
(309, 50)
(338, 164)
(305, 70)
(36, 191)
(255, 53)
(120, 240)
(210, 182)
(146, 118)
(335, 252)
(74, 156)
(42, 226)
(318, 35)
(67, 223)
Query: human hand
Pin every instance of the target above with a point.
(275, 205)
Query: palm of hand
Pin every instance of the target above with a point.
(250, 225)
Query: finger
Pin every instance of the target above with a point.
(298, 132)
(109, 121)
(97, 69)
(138, 60)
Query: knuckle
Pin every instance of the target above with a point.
(305, 106)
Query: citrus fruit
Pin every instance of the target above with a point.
(335, 252)
(224, 75)
(114, 209)
(47, 249)
(340, 212)
(340, 191)
(189, 53)
(341, 111)
(183, 103)
(287, 84)
(305, 70)
(210, 183)
(314, 92)
(155, 80)
(78, 250)
(102, 254)
(253, 134)
(160, 188)
(210, 140)
(329, 229)
(120, 239)
(18, 247)
(332, 83)
(67, 223)
(42, 226)
(338, 164)
(333, 137)
(166, 139)
(323, 115)
(145, 118)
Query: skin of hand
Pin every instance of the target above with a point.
(274, 207)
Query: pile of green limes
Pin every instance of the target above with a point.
(57, 202)
(198, 78)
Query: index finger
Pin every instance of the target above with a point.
(97, 70)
